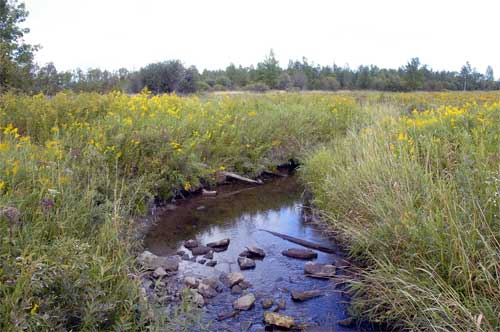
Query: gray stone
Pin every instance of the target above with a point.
(245, 302)
(190, 244)
(234, 278)
(150, 261)
(197, 298)
(305, 295)
(279, 320)
(146, 283)
(181, 253)
(246, 263)
(202, 261)
(244, 253)
(256, 252)
(281, 304)
(214, 283)
(191, 282)
(317, 270)
(300, 253)
(200, 250)
(159, 272)
(206, 290)
(224, 243)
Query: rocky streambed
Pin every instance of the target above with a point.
(213, 249)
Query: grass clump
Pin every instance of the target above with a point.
(76, 169)
(416, 197)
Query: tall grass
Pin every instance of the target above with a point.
(416, 198)
(78, 168)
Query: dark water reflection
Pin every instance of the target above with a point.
(239, 216)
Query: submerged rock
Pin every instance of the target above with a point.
(255, 252)
(279, 320)
(190, 244)
(318, 270)
(211, 263)
(281, 304)
(306, 295)
(245, 326)
(226, 315)
(150, 261)
(245, 284)
(267, 303)
(244, 253)
(202, 261)
(236, 289)
(300, 253)
(348, 322)
(245, 302)
(210, 255)
(246, 263)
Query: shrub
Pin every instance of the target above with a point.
(257, 87)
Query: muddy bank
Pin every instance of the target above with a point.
(279, 282)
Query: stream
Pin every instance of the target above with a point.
(240, 212)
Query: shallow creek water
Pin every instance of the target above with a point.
(239, 213)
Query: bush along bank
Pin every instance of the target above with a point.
(415, 197)
(77, 169)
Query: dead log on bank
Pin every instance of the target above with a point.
(239, 178)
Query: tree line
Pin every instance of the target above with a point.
(19, 72)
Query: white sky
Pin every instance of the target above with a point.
(213, 33)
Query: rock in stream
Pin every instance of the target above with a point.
(300, 253)
(245, 302)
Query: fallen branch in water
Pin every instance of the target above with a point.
(232, 193)
(303, 243)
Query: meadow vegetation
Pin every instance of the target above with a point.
(415, 197)
(409, 182)
(76, 169)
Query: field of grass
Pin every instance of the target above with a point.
(409, 181)
(76, 169)
(415, 196)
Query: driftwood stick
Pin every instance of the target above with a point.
(240, 178)
(303, 243)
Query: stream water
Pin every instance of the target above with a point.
(240, 213)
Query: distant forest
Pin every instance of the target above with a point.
(20, 73)
(173, 76)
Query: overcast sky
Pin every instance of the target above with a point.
(213, 33)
